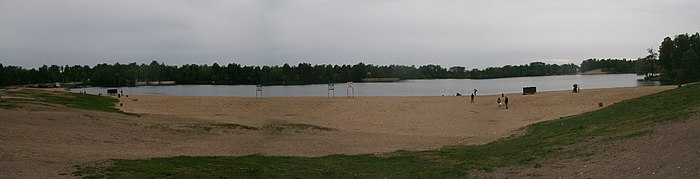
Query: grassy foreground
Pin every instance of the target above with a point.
(543, 140)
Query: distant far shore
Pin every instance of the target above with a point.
(600, 72)
(595, 72)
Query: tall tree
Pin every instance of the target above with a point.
(678, 58)
(691, 61)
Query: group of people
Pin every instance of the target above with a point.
(577, 88)
(505, 99)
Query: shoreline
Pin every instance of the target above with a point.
(342, 96)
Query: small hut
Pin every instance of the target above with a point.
(529, 90)
(112, 92)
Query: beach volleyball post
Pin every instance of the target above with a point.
(331, 87)
(258, 89)
(349, 88)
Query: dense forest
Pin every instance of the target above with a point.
(128, 74)
(609, 65)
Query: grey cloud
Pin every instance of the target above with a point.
(270, 32)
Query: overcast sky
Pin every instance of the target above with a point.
(470, 33)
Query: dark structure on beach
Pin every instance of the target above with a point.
(529, 90)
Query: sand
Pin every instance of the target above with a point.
(41, 141)
(438, 116)
(595, 72)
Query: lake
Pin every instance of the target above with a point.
(402, 88)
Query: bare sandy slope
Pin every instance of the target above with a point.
(45, 141)
(439, 116)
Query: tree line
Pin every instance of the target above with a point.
(532, 69)
(614, 66)
(231, 74)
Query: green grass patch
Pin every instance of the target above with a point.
(96, 171)
(210, 127)
(230, 126)
(72, 100)
(83, 101)
(256, 166)
(543, 140)
(295, 126)
(6, 104)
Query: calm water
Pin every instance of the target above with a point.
(402, 88)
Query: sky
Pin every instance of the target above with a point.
(469, 33)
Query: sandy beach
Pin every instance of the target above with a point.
(438, 116)
(46, 141)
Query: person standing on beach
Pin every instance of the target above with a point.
(499, 103)
(474, 91)
(506, 101)
(472, 97)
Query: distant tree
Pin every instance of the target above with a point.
(689, 60)
(609, 65)
(103, 75)
(3, 76)
(359, 71)
(648, 66)
(433, 72)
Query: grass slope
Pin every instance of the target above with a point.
(72, 100)
(626, 119)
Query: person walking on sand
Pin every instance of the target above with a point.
(506, 101)
(472, 97)
(499, 103)
(474, 91)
